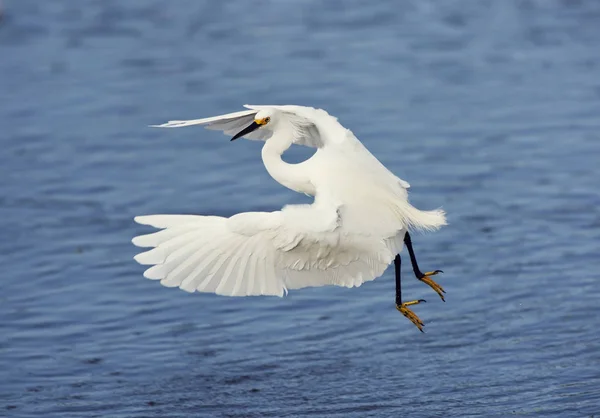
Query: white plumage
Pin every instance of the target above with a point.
(348, 236)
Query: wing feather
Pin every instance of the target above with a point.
(230, 124)
(214, 120)
(261, 253)
(252, 276)
(231, 273)
(240, 274)
(198, 279)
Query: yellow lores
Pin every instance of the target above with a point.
(262, 121)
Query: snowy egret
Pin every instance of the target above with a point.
(356, 226)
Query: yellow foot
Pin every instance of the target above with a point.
(429, 281)
(412, 317)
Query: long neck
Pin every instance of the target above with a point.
(292, 176)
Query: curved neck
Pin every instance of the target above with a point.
(292, 176)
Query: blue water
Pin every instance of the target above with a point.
(490, 109)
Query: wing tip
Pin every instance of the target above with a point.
(141, 242)
(147, 259)
(140, 220)
(170, 124)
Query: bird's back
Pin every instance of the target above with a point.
(374, 199)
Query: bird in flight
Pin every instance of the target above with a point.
(355, 228)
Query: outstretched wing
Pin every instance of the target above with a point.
(313, 128)
(259, 253)
(230, 124)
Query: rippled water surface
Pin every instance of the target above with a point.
(490, 109)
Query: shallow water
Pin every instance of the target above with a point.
(489, 109)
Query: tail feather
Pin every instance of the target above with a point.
(424, 220)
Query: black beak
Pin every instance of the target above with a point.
(252, 127)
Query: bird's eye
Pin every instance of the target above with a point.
(267, 119)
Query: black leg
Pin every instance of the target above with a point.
(397, 264)
(424, 277)
(403, 307)
(413, 259)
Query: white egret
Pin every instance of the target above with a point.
(355, 228)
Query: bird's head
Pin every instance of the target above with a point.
(264, 118)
